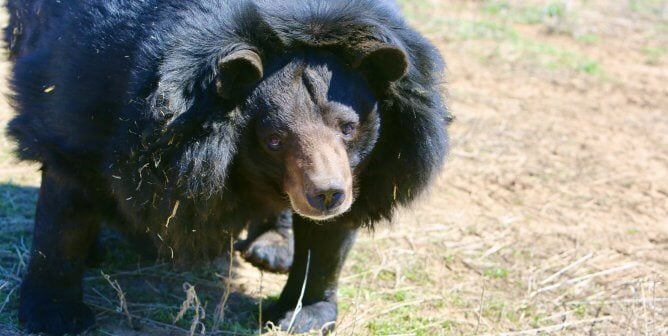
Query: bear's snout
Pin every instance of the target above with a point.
(318, 176)
(326, 199)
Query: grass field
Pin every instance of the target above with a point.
(551, 216)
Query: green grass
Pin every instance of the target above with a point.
(156, 295)
(6, 155)
(496, 7)
(529, 16)
(16, 210)
(654, 7)
(496, 272)
(588, 39)
(590, 67)
(497, 28)
(494, 309)
(523, 14)
(555, 10)
(580, 310)
(654, 54)
(480, 30)
(17, 202)
(408, 320)
(553, 57)
(527, 51)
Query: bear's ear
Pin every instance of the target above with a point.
(239, 69)
(382, 61)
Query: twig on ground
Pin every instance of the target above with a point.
(9, 295)
(405, 304)
(121, 298)
(220, 309)
(136, 317)
(622, 301)
(583, 278)
(192, 300)
(22, 262)
(298, 308)
(493, 250)
(138, 271)
(102, 296)
(567, 268)
(482, 301)
(259, 308)
(556, 327)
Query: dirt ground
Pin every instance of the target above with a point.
(550, 217)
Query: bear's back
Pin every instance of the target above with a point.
(72, 63)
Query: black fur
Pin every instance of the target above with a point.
(118, 100)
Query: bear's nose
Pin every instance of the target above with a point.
(326, 199)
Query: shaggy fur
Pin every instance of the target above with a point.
(121, 102)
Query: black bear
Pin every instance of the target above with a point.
(184, 122)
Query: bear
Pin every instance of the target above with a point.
(186, 122)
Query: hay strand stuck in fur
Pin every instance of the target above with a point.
(174, 210)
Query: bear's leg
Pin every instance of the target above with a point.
(270, 243)
(323, 249)
(66, 225)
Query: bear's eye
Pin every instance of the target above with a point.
(348, 129)
(274, 142)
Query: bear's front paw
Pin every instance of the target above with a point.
(320, 316)
(55, 318)
(272, 251)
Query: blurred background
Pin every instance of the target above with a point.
(550, 217)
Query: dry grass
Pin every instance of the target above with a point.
(550, 218)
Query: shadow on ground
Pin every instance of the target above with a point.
(16, 206)
(125, 288)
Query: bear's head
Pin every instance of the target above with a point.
(315, 119)
(337, 115)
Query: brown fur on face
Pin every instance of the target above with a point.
(315, 122)
(317, 160)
